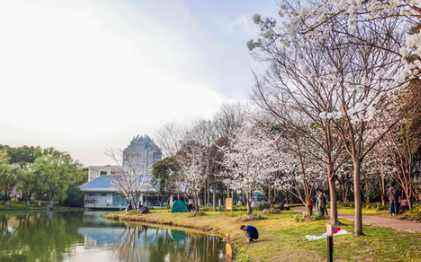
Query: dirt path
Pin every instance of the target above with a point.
(380, 221)
(393, 223)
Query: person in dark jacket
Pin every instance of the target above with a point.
(251, 231)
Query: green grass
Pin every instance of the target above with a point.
(366, 211)
(282, 238)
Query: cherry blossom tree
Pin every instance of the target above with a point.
(296, 98)
(307, 174)
(350, 17)
(249, 160)
(342, 69)
(132, 181)
(398, 149)
(192, 159)
(170, 137)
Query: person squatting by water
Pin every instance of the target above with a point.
(251, 231)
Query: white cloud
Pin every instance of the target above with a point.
(87, 75)
(245, 24)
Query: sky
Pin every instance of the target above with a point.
(85, 76)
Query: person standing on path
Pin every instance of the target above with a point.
(321, 203)
(392, 195)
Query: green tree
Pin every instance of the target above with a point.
(54, 171)
(164, 173)
(27, 181)
(8, 175)
(74, 197)
(24, 154)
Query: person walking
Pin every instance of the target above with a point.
(392, 195)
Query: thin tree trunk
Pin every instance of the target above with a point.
(248, 200)
(382, 191)
(309, 206)
(214, 199)
(333, 204)
(332, 195)
(358, 217)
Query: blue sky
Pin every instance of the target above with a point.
(217, 31)
(86, 75)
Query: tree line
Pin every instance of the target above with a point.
(337, 109)
(31, 174)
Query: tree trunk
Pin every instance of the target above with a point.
(358, 217)
(309, 206)
(382, 191)
(332, 197)
(214, 199)
(248, 204)
(196, 203)
(367, 189)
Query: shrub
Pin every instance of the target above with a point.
(298, 218)
(263, 206)
(414, 214)
(241, 255)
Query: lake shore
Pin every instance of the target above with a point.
(282, 236)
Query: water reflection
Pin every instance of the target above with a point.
(72, 236)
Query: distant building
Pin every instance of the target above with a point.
(101, 190)
(96, 171)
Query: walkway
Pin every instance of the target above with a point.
(393, 223)
(381, 221)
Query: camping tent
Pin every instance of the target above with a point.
(179, 206)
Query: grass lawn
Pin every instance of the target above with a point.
(282, 237)
(366, 211)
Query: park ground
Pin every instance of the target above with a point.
(282, 236)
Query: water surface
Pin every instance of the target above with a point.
(78, 236)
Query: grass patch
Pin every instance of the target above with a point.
(366, 211)
(282, 238)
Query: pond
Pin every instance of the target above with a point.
(86, 236)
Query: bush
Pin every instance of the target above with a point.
(263, 206)
(298, 218)
(241, 255)
(414, 214)
(317, 217)
(74, 197)
(347, 204)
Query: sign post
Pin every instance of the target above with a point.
(329, 238)
(228, 203)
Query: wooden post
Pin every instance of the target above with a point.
(228, 249)
(329, 238)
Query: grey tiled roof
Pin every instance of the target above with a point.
(105, 184)
(101, 183)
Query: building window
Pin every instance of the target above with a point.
(103, 173)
